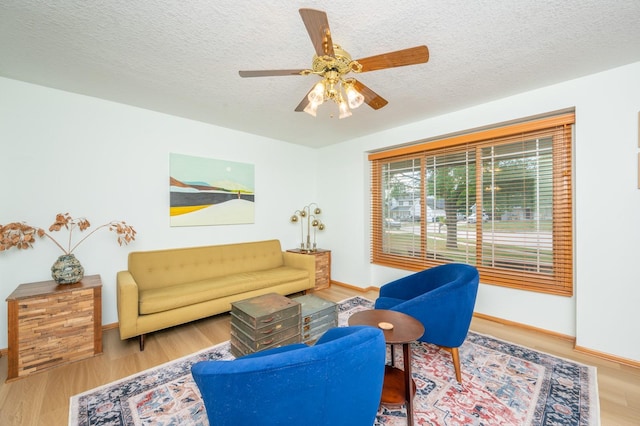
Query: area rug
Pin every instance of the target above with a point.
(503, 384)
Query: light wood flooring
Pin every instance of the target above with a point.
(43, 399)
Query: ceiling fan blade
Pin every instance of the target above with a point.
(399, 58)
(372, 99)
(318, 28)
(304, 102)
(267, 73)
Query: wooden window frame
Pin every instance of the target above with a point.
(560, 281)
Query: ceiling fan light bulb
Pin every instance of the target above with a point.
(317, 94)
(354, 97)
(314, 98)
(311, 109)
(344, 110)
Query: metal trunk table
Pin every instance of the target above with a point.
(264, 322)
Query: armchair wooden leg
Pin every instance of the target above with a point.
(141, 342)
(455, 355)
(456, 363)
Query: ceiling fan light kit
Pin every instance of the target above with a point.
(330, 88)
(333, 63)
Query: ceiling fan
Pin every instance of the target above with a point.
(333, 64)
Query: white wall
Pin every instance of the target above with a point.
(68, 153)
(603, 314)
(62, 152)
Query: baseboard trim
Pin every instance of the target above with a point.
(110, 326)
(580, 349)
(353, 287)
(525, 327)
(606, 356)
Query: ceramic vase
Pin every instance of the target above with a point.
(67, 270)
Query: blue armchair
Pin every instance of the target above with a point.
(338, 381)
(442, 298)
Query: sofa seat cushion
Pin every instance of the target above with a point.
(176, 296)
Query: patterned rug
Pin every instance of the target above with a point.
(503, 384)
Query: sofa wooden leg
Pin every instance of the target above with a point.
(142, 342)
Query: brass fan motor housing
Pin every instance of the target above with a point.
(341, 63)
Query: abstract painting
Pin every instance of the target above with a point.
(205, 191)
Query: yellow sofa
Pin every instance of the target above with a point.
(164, 288)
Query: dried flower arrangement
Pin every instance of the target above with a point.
(22, 236)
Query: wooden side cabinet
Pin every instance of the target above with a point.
(51, 325)
(323, 266)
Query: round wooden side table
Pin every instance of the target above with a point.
(401, 329)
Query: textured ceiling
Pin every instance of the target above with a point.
(183, 57)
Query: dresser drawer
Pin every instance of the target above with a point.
(264, 311)
(320, 322)
(241, 345)
(312, 333)
(331, 312)
(318, 315)
(267, 340)
(314, 308)
(265, 331)
(239, 349)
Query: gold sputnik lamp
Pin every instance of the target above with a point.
(309, 213)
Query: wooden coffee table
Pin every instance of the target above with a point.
(398, 386)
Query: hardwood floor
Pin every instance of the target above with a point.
(43, 399)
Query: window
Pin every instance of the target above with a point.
(499, 199)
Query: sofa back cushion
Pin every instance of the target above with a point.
(161, 268)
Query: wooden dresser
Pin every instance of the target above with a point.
(51, 324)
(323, 266)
